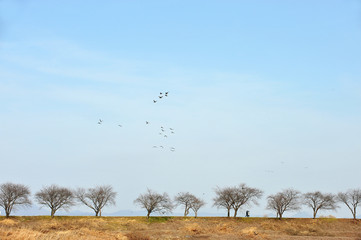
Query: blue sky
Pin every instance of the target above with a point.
(262, 92)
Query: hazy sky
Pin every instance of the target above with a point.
(266, 93)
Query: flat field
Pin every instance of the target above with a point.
(139, 228)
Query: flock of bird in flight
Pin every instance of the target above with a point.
(161, 96)
(163, 131)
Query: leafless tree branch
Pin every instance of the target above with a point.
(12, 195)
(351, 198)
(317, 201)
(154, 202)
(287, 200)
(96, 198)
(55, 197)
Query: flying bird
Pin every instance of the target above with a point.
(146, 122)
(166, 94)
(154, 101)
(120, 125)
(100, 121)
(165, 136)
(160, 93)
(160, 96)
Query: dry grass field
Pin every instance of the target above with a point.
(138, 228)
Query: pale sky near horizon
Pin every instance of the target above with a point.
(266, 93)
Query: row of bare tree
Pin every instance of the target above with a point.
(55, 197)
(162, 203)
(229, 198)
(286, 200)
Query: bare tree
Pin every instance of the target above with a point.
(352, 198)
(154, 202)
(317, 201)
(196, 204)
(224, 199)
(243, 195)
(96, 198)
(12, 195)
(287, 200)
(55, 197)
(184, 198)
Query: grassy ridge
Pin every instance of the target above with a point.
(76, 228)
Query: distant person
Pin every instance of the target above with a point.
(247, 213)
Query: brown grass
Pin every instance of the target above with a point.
(139, 228)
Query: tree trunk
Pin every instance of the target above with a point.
(314, 214)
(100, 212)
(228, 214)
(96, 213)
(354, 213)
(185, 212)
(52, 213)
(195, 214)
(280, 214)
(235, 212)
(7, 211)
(148, 214)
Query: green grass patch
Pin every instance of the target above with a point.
(158, 219)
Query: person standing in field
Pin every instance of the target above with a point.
(247, 213)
